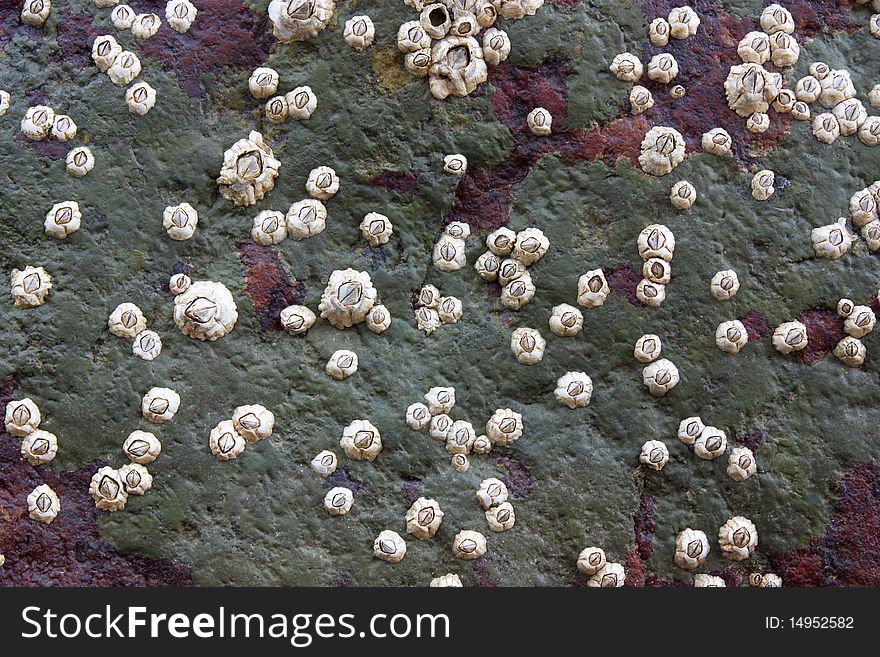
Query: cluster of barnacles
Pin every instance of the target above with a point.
(128, 321)
(834, 240)
(41, 121)
(250, 423)
(180, 15)
(737, 538)
(37, 447)
(305, 218)
(298, 104)
(433, 310)
(602, 573)
(858, 321)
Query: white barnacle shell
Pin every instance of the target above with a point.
(592, 289)
(683, 22)
(784, 101)
(436, 19)
(660, 377)
(105, 50)
(845, 308)
(859, 322)
(277, 109)
(487, 266)
(63, 219)
(574, 389)
(656, 241)
(662, 150)
(651, 294)
(269, 227)
(324, 463)
(496, 46)
(80, 161)
(418, 416)
(206, 311)
(482, 445)
(776, 18)
(640, 100)
(591, 560)
(850, 351)
(338, 501)
(611, 575)
(784, 49)
(147, 345)
(35, 13)
(455, 164)
(626, 67)
(874, 96)
(749, 89)
(411, 38)
(850, 115)
(348, 298)
(30, 287)
(296, 320)
(863, 207)
(518, 293)
(689, 429)
(871, 234)
(658, 32)
(449, 253)
(457, 67)
(225, 442)
(566, 320)
(540, 122)
(389, 546)
(180, 221)
(22, 417)
(754, 48)
(446, 581)
(790, 336)
(724, 284)
(5, 101)
(663, 68)
(469, 545)
(758, 123)
(457, 229)
(145, 25)
(808, 89)
(710, 444)
(505, 427)
(439, 427)
(731, 336)
(180, 15)
(378, 319)
(43, 503)
(108, 489)
(253, 422)
(419, 62)
(37, 122)
(440, 399)
(427, 319)
(125, 67)
(517, 9)
(450, 309)
(298, 20)
(136, 479)
(460, 462)
(501, 241)
(648, 348)
(122, 17)
(703, 581)
(423, 518)
(160, 405)
(738, 538)
(654, 454)
(39, 447)
(361, 441)
(691, 549)
(837, 87)
(460, 437)
(767, 580)
(429, 296)
(501, 518)
(826, 127)
(683, 195)
(263, 83)
(530, 246)
(831, 241)
(376, 228)
(874, 25)
(142, 447)
(342, 364)
(509, 270)
(657, 270)
(741, 464)
(322, 183)
(249, 170)
(800, 111)
(63, 128)
(762, 185)
(359, 32)
(527, 345)
(306, 218)
(717, 141)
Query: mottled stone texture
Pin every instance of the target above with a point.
(574, 477)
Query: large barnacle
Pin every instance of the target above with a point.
(457, 67)
(750, 88)
(206, 311)
(298, 20)
(249, 170)
(348, 298)
(662, 150)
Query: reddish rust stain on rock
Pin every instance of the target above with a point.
(481, 574)
(50, 148)
(518, 477)
(267, 283)
(751, 439)
(399, 182)
(342, 478)
(824, 331)
(623, 280)
(756, 325)
(412, 489)
(76, 33)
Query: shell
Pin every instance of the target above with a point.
(505, 427)
(657, 271)
(359, 32)
(650, 294)
(717, 141)
(376, 228)
(30, 287)
(142, 447)
(492, 492)
(826, 127)
(741, 464)
(180, 221)
(276, 109)
(105, 50)
(143, 26)
(361, 441)
(738, 538)
(306, 218)
(662, 150)
(378, 319)
(702, 581)
(263, 83)
(322, 183)
(37, 122)
(724, 285)
(62, 220)
(496, 46)
(540, 122)
(296, 320)
(206, 311)
(298, 20)
(518, 293)
(626, 67)
(269, 227)
(469, 545)
(683, 195)
(449, 253)
(423, 518)
(249, 171)
(648, 348)
(39, 447)
(342, 364)
(439, 426)
(660, 377)
(749, 88)
(689, 429)
(640, 100)
(440, 399)
(35, 13)
(592, 289)
(591, 560)
(574, 389)
(731, 336)
(22, 417)
(457, 67)
(180, 15)
(348, 298)
(455, 164)
(710, 444)
(527, 345)
(691, 549)
(656, 241)
(831, 241)
(654, 455)
(531, 245)
(108, 489)
(338, 501)
(776, 18)
(683, 22)
(501, 241)
(446, 581)
(418, 416)
(136, 479)
(501, 518)
(450, 309)
(784, 49)
(762, 185)
(80, 161)
(851, 351)
(160, 405)
(43, 504)
(837, 87)
(64, 128)
(147, 345)
(662, 68)
(566, 320)
(460, 437)
(225, 442)
(860, 321)
(126, 66)
(253, 422)
(611, 575)
(754, 48)
(389, 546)
(658, 32)
(324, 463)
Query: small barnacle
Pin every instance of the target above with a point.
(738, 538)
(724, 285)
(440, 399)
(460, 437)
(851, 351)
(376, 228)
(691, 549)
(342, 364)
(35, 13)
(501, 518)
(298, 20)
(776, 18)
(136, 478)
(361, 441)
(270, 227)
(845, 308)
(63, 219)
(742, 464)
(871, 235)
(591, 560)
(863, 207)
(662, 150)
(540, 122)
(831, 241)
(108, 489)
(749, 88)
(683, 195)
(784, 49)
(790, 336)
(758, 123)
(647, 348)
(626, 67)
(338, 501)
(249, 170)
(850, 115)
(225, 442)
(429, 296)
(457, 67)
(731, 336)
(518, 293)
(874, 25)
(784, 101)
(710, 444)
(450, 309)
(657, 270)
(531, 245)
(662, 68)
(80, 161)
(306, 218)
(808, 89)
(654, 454)
(658, 32)
(574, 389)
(160, 405)
(836, 88)
(418, 416)
(820, 70)
(206, 311)
(277, 109)
(689, 429)
(509, 270)
(611, 575)
(677, 91)
(873, 96)
(322, 183)
(455, 164)
(762, 185)
(423, 518)
(44, 505)
(650, 294)
(683, 22)
(5, 101)
(660, 377)
(566, 320)
(253, 422)
(505, 427)
(389, 546)
(180, 15)
(411, 37)
(324, 463)
(348, 298)
(122, 17)
(30, 287)
(800, 111)
(359, 32)
(22, 417)
(63, 128)
(496, 46)
(147, 345)
(487, 266)
(449, 253)
(703, 581)
(105, 50)
(527, 345)
(754, 48)
(492, 492)
(640, 100)
(180, 221)
(125, 67)
(37, 122)
(446, 581)
(378, 319)
(263, 83)
(142, 447)
(717, 141)
(592, 289)
(427, 319)
(39, 447)
(501, 241)
(439, 427)
(517, 9)
(145, 25)
(859, 322)
(296, 320)
(469, 545)
(419, 62)
(485, 11)
(768, 580)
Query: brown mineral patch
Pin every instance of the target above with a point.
(76, 32)
(824, 331)
(756, 325)
(268, 283)
(342, 478)
(412, 489)
(481, 574)
(51, 148)
(623, 280)
(518, 478)
(399, 182)
(751, 439)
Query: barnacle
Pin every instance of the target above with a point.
(439, 427)
(63, 219)
(39, 447)
(724, 284)
(656, 241)
(361, 441)
(505, 427)
(30, 287)
(731, 336)
(784, 101)
(662, 150)
(516, 9)
(376, 228)
(738, 538)
(440, 399)
(518, 293)
(43, 504)
(389, 546)
(859, 322)
(322, 183)
(574, 389)
(654, 454)
(306, 218)
(501, 518)
(63, 128)
(826, 127)
(180, 15)
(253, 422)
(837, 87)
(427, 320)
(80, 161)
(125, 67)
(324, 463)
(122, 16)
(626, 67)
(142, 447)
(762, 185)
(831, 241)
(871, 234)
(609, 576)
(863, 207)
(450, 309)
(540, 122)
(249, 170)
(348, 298)
(749, 88)
(457, 67)
(683, 22)
(418, 416)
(851, 351)
(800, 111)
(296, 320)
(808, 89)
(145, 25)
(650, 294)
(5, 101)
(710, 444)
(683, 195)
(423, 518)
(717, 141)
(22, 417)
(359, 32)
(509, 270)
(850, 115)
(845, 308)
(789, 336)
(657, 270)
(263, 83)
(469, 545)
(492, 492)
(180, 221)
(277, 109)
(449, 253)
(496, 46)
(446, 581)
(691, 549)
(342, 364)
(482, 445)
(37, 122)
(455, 164)
(660, 377)
(225, 442)
(527, 345)
(689, 429)
(35, 12)
(160, 405)
(784, 49)
(412, 38)
(566, 320)
(206, 311)
(754, 48)
(531, 245)
(592, 289)
(458, 229)
(269, 227)
(105, 50)
(591, 560)
(767, 580)
(658, 32)
(298, 20)
(501, 241)
(640, 100)
(338, 501)
(136, 478)
(758, 123)
(108, 489)
(662, 68)
(775, 18)
(741, 465)
(378, 319)
(147, 345)
(702, 581)
(647, 348)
